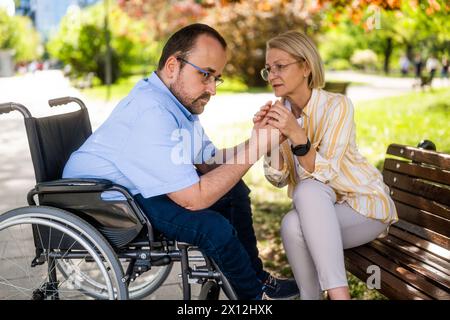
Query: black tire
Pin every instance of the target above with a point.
(210, 291)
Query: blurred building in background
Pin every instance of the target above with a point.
(46, 14)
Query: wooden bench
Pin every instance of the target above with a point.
(414, 259)
(336, 87)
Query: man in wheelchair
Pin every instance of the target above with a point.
(154, 145)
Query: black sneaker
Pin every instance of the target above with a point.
(280, 289)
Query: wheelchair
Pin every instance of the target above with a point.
(71, 243)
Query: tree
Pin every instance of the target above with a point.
(17, 33)
(387, 25)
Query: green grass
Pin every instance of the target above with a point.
(405, 119)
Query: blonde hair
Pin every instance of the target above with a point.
(301, 47)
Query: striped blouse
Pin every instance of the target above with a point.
(329, 124)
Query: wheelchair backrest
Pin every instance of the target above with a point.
(53, 139)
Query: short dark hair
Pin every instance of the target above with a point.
(184, 39)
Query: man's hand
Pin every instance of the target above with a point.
(260, 119)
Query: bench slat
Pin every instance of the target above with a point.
(414, 279)
(391, 286)
(434, 192)
(421, 243)
(428, 173)
(437, 278)
(420, 203)
(405, 249)
(423, 218)
(424, 233)
(441, 160)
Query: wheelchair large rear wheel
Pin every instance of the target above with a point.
(33, 242)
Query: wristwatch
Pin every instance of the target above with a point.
(301, 149)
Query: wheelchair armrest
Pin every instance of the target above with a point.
(79, 185)
(73, 185)
(86, 185)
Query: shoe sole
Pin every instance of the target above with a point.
(266, 297)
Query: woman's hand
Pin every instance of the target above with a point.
(260, 119)
(283, 119)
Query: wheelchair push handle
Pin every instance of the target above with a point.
(12, 106)
(5, 108)
(65, 100)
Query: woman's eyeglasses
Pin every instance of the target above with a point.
(276, 69)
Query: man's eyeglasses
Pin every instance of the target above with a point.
(276, 69)
(207, 77)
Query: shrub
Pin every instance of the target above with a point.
(364, 59)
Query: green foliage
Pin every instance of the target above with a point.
(81, 42)
(17, 33)
(413, 28)
(339, 44)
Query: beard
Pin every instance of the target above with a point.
(194, 105)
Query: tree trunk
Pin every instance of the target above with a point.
(409, 51)
(387, 54)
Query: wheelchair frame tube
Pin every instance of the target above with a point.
(11, 106)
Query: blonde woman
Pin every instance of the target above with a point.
(339, 199)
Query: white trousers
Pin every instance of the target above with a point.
(315, 234)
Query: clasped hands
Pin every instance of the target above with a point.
(275, 121)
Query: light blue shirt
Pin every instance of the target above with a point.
(149, 144)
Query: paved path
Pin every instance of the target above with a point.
(33, 90)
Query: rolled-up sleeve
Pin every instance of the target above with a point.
(278, 178)
(332, 147)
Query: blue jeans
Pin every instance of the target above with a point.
(223, 232)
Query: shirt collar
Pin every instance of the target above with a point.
(155, 81)
(308, 109)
